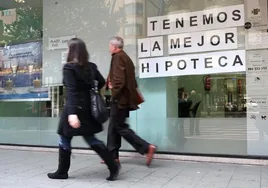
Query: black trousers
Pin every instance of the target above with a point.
(119, 128)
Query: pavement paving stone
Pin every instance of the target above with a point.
(25, 169)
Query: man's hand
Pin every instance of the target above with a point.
(109, 83)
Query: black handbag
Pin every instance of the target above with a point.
(98, 107)
(97, 104)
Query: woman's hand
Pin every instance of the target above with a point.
(74, 121)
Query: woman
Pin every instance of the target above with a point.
(76, 120)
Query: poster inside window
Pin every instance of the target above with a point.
(21, 72)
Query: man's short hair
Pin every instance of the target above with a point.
(117, 42)
(193, 92)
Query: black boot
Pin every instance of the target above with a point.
(64, 165)
(106, 155)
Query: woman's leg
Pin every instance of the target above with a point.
(64, 159)
(99, 147)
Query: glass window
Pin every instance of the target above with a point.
(129, 9)
(6, 13)
(215, 113)
(139, 8)
(134, 9)
(133, 30)
(24, 100)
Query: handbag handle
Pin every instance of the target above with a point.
(93, 82)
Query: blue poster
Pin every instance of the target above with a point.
(21, 73)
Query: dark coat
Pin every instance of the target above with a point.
(184, 108)
(122, 77)
(78, 81)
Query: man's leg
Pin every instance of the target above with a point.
(197, 129)
(181, 121)
(192, 125)
(130, 136)
(114, 138)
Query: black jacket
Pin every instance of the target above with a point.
(78, 81)
(184, 108)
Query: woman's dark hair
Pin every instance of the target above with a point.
(77, 52)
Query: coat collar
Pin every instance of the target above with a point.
(120, 52)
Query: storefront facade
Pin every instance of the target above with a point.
(201, 66)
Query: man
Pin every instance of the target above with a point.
(184, 105)
(196, 113)
(122, 82)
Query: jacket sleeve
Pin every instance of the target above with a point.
(71, 90)
(119, 76)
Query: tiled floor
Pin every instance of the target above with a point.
(22, 169)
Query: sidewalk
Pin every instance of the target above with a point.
(24, 169)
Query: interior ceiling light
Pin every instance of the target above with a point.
(20, 1)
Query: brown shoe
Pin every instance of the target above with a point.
(117, 160)
(150, 154)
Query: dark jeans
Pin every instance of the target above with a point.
(65, 142)
(118, 128)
